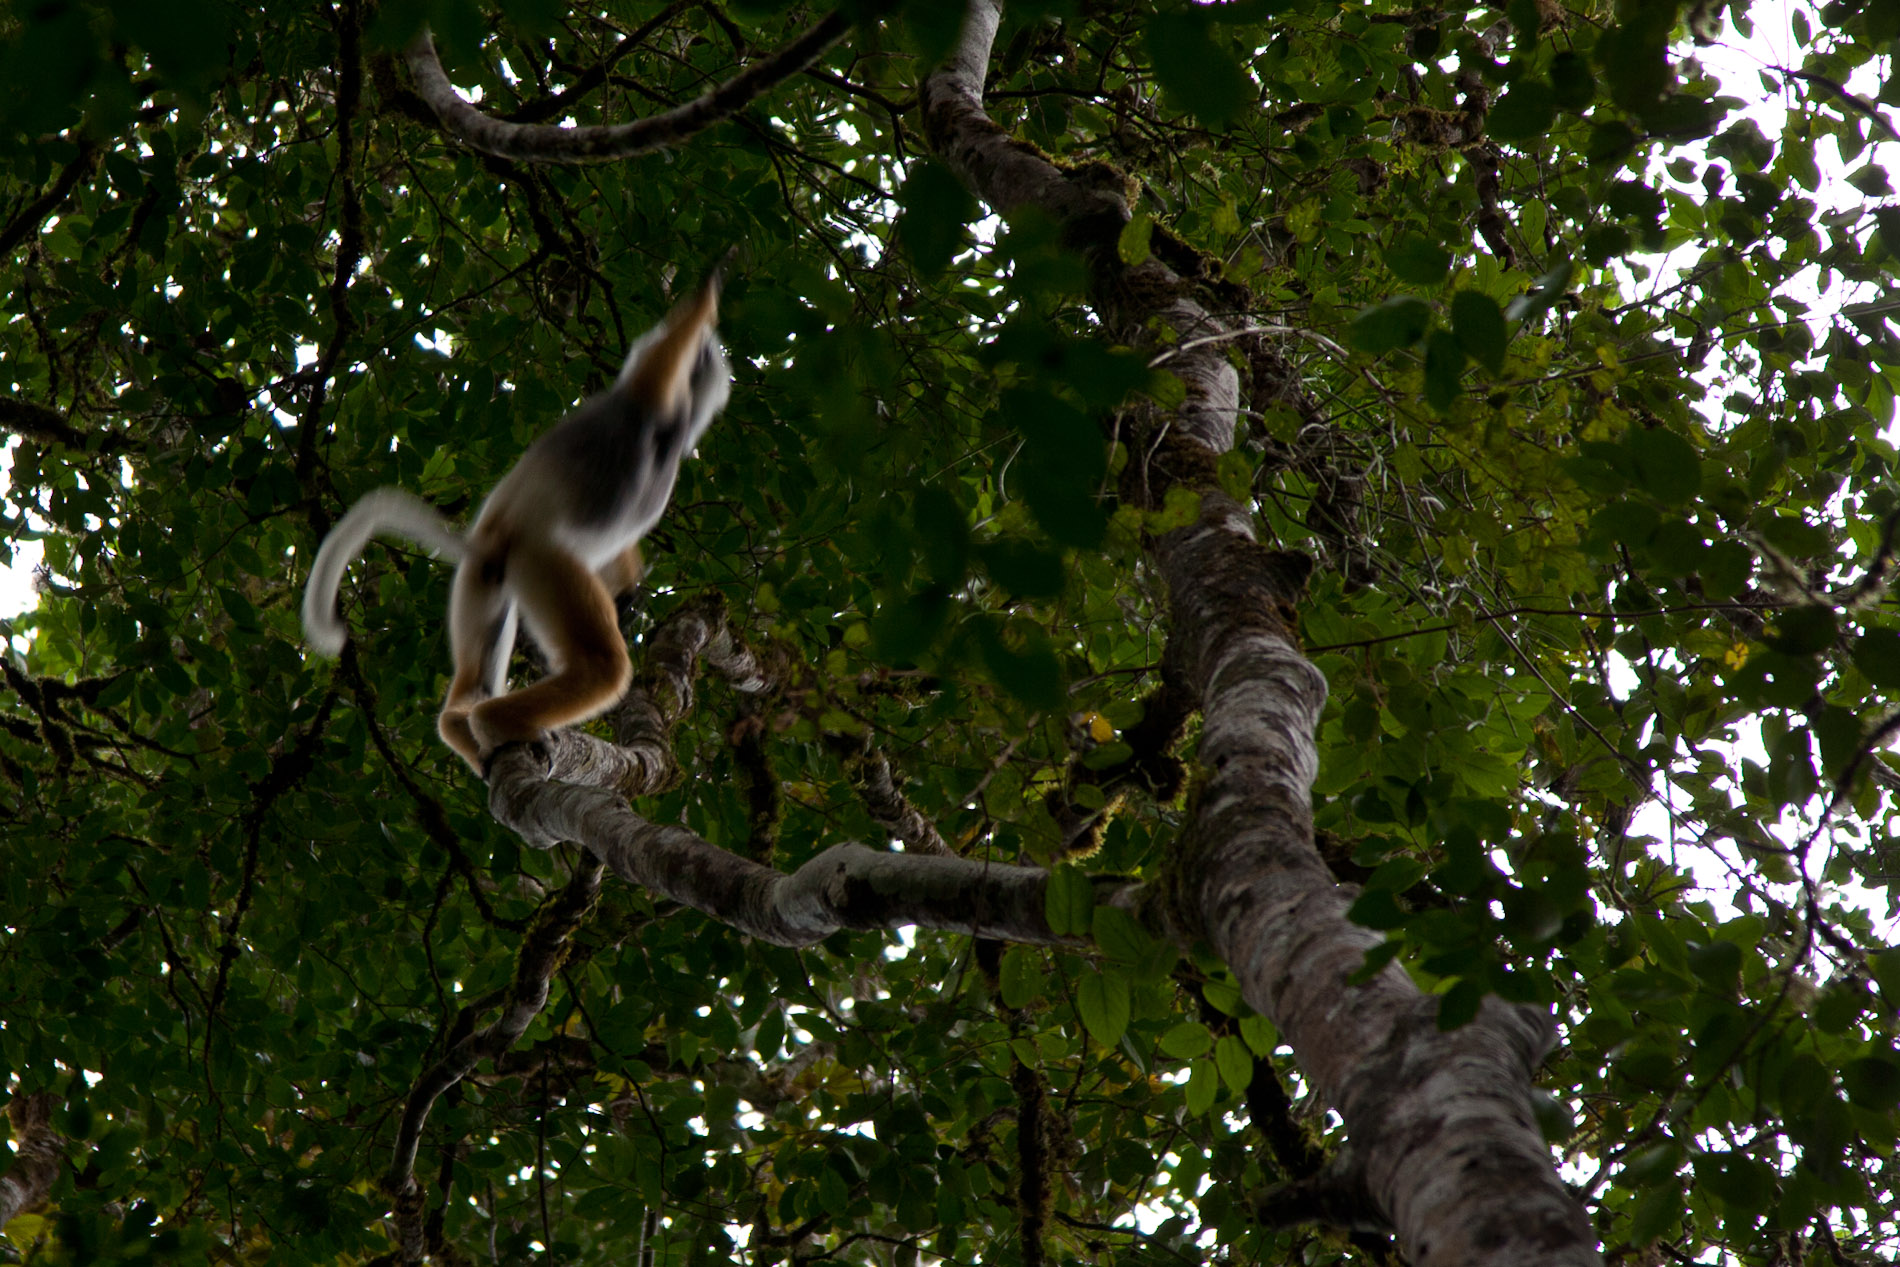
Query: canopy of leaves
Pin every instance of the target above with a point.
(1601, 601)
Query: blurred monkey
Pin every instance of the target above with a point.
(553, 544)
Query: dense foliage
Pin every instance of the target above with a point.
(1601, 543)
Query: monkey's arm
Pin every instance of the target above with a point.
(386, 510)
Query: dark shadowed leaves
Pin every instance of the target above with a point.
(1524, 113)
(1417, 260)
(1399, 322)
(1023, 569)
(1062, 465)
(1666, 464)
(1195, 68)
(1544, 293)
(1022, 662)
(1877, 654)
(935, 209)
(1572, 84)
(1444, 365)
(1479, 324)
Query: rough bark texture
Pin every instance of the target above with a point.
(551, 143)
(38, 1150)
(846, 886)
(1442, 1138)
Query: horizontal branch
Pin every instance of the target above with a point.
(848, 886)
(551, 143)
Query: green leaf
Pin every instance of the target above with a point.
(1873, 1082)
(1068, 903)
(1203, 1086)
(1802, 631)
(1195, 69)
(1222, 995)
(1458, 1006)
(1187, 1040)
(1609, 143)
(1120, 937)
(1634, 57)
(188, 40)
(1871, 180)
(1877, 655)
(1417, 260)
(1738, 1181)
(1021, 975)
(904, 628)
(1028, 670)
(1545, 292)
(934, 207)
(1234, 1062)
(1718, 963)
(1886, 969)
(942, 535)
(1479, 324)
(1573, 85)
(1023, 569)
(1444, 366)
(1101, 999)
(1888, 218)
(1743, 144)
(1725, 568)
(1132, 245)
(931, 30)
(1259, 1035)
(1793, 536)
(1376, 908)
(1524, 113)
(1399, 322)
(1667, 465)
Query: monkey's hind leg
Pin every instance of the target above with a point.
(621, 575)
(481, 618)
(622, 572)
(570, 613)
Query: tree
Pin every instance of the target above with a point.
(1249, 675)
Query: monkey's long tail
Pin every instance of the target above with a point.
(386, 510)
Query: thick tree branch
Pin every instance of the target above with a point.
(38, 1150)
(877, 786)
(47, 426)
(846, 886)
(1440, 1124)
(550, 143)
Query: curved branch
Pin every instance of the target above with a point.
(550, 143)
(541, 957)
(1089, 204)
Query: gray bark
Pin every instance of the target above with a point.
(38, 1150)
(1442, 1137)
(552, 143)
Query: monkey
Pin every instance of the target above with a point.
(554, 543)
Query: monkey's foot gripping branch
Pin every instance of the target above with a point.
(848, 886)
